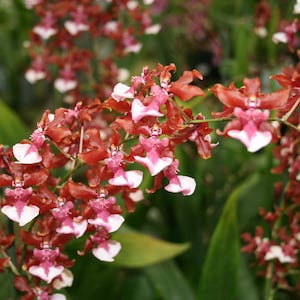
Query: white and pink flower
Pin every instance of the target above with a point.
(79, 22)
(107, 250)
(20, 212)
(121, 91)
(155, 160)
(47, 269)
(46, 28)
(66, 82)
(253, 134)
(69, 224)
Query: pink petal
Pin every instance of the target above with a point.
(73, 28)
(154, 29)
(32, 76)
(280, 37)
(31, 3)
(136, 196)
(253, 143)
(107, 252)
(121, 91)
(78, 228)
(28, 213)
(46, 276)
(112, 223)
(154, 167)
(26, 153)
(58, 297)
(44, 33)
(65, 85)
(184, 184)
(111, 27)
(65, 279)
(139, 111)
(135, 48)
(131, 179)
(297, 8)
(275, 252)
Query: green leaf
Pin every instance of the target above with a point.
(169, 282)
(7, 290)
(93, 278)
(246, 289)
(220, 270)
(12, 129)
(139, 250)
(242, 38)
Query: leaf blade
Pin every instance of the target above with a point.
(12, 129)
(139, 250)
(169, 281)
(220, 270)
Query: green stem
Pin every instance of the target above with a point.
(269, 289)
(290, 112)
(281, 120)
(77, 163)
(208, 120)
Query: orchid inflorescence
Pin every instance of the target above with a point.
(84, 166)
(66, 46)
(117, 141)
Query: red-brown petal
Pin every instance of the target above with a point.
(275, 100)
(230, 97)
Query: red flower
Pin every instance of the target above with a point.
(251, 125)
(248, 96)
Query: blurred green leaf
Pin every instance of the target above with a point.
(7, 290)
(135, 286)
(246, 288)
(220, 270)
(169, 281)
(12, 129)
(93, 278)
(260, 195)
(243, 47)
(139, 250)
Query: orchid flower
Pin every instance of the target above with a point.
(179, 183)
(20, 211)
(251, 107)
(79, 22)
(105, 215)
(154, 160)
(68, 224)
(47, 269)
(46, 28)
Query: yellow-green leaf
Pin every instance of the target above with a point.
(139, 250)
(220, 270)
(12, 129)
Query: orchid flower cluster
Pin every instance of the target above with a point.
(117, 142)
(103, 151)
(276, 246)
(66, 45)
(277, 253)
(83, 167)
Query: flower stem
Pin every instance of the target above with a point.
(208, 120)
(269, 289)
(281, 120)
(289, 113)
